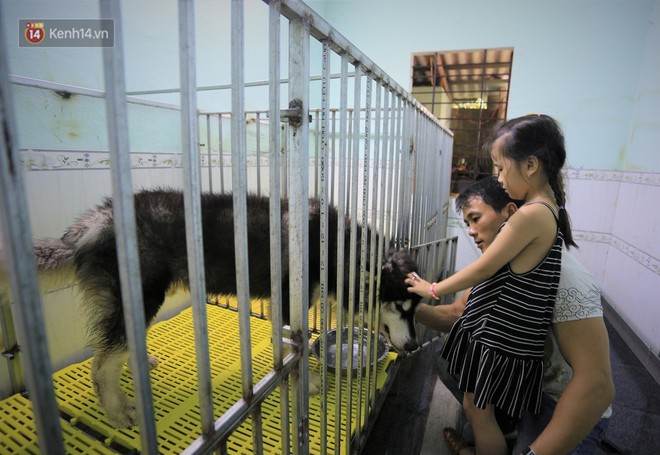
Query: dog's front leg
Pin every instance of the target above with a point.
(106, 371)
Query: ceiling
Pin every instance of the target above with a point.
(464, 75)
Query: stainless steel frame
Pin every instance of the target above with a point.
(381, 159)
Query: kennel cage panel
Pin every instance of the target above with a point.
(22, 274)
(394, 172)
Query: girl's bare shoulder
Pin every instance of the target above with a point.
(532, 211)
(533, 217)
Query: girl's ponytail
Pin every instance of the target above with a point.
(556, 181)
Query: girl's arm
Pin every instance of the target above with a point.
(523, 228)
(441, 317)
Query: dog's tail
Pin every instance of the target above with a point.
(54, 259)
(53, 254)
(55, 263)
(49, 254)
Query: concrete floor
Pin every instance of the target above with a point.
(419, 406)
(445, 411)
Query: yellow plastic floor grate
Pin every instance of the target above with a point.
(174, 386)
(17, 431)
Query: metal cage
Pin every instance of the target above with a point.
(376, 155)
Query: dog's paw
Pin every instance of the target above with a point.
(126, 419)
(153, 362)
(123, 414)
(314, 383)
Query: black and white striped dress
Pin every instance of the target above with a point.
(497, 345)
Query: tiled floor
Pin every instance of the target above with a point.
(635, 424)
(419, 407)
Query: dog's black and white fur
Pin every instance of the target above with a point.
(88, 248)
(397, 305)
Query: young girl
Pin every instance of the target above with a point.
(497, 345)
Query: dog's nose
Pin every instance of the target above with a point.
(410, 346)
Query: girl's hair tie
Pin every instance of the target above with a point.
(561, 207)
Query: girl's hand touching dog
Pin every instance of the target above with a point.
(420, 286)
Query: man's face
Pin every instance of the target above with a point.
(483, 221)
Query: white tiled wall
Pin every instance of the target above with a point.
(617, 222)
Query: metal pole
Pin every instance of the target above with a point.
(363, 253)
(125, 228)
(298, 224)
(275, 214)
(209, 152)
(239, 186)
(193, 209)
(341, 237)
(324, 241)
(221, 157)
(353, 271)
(257, 124)
(374, 260)
(16, 236)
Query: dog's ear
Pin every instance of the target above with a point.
(400, 263)
(394, 271)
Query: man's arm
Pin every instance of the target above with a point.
(585, 347)
(441, 317)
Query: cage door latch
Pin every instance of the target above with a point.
(294, 113)
(10, 354)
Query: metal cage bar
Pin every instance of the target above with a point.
(366, 132)
(298, 159)
(239, 192)
(324, 241)
(341, 220)
(125, 229)
(23, 273)
(193, 209)
(375, 257)
(275, 215)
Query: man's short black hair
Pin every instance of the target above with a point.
(489, 190)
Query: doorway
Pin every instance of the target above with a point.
(468, 91)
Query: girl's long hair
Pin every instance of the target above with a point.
(540, 136)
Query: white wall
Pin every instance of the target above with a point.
(594, 66)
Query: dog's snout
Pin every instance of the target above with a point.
(410, 346)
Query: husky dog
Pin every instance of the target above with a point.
(88, 250)
(397, 305)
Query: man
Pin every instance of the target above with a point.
(576, 406)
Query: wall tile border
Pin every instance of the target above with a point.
(62, 160)
(639, 178)
(631, 251)
(635, 178)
